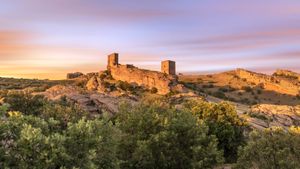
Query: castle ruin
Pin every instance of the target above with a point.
(163, 81)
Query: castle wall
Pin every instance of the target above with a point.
(162, 82)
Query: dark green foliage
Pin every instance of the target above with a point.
(223, 89)
(153, 90)
(223, 121)
(91, 144)
(220, 95)
(3, 110)
(247, 88)
(26, 103)
(258, 116)
(158, 137)
(29, 142)
(105, 75)
(208, 86)
(63, 112)
(40, 85)
(271, 149)
(124, 86)
(259, 91)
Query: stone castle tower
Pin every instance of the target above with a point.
(113, 60)
(163, 81)
(168, 67)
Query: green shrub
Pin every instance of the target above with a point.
(259, 91)
(155, 136)
(220, 95)
(223, 121)
(247, 88)
(124, 86)
(26, 103)
(223, 89)
(153, 90)
(270, 149)
(31, 142)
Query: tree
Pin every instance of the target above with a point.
(157, 136)
(64, 112)
(92, 144)
(272, 148)
(223, 122)
(28, 142)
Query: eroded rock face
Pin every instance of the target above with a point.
(287, 74)
(96, 84)
(271, 83)
(93, 83)
(94, 102)
(276, 115)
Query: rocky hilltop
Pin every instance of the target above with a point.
(272, 83)
(262, 100)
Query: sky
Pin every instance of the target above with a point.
(46, 39)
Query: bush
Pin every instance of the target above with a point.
(30, 142)
(271, 148)
(219, 94)
(153, 90)
(124, 86)
(223, 89)
(247, 88)
(3, 110)
(259, 91)
(223, 121)
(155, 136)
(26, 103)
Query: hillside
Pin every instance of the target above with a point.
(262, 100)
(248, 87)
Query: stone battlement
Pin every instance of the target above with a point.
(163, 81)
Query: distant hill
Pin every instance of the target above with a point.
(248, 87)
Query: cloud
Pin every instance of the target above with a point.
(239, 41)
(14, 44)
(78, 11)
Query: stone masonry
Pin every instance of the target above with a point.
(163, 81)
(168, 67)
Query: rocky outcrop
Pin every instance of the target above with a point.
(74, 75)
(94, 102)
(271, 83)
(266, 115)
(287, 74)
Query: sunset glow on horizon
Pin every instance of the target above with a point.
(47, 39)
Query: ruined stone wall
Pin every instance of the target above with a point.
(269, 82)
(162, 82)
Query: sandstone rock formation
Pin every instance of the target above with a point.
(94, 102)
(275, 115)
(267, 115)
(269, 82)
(287, 74)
